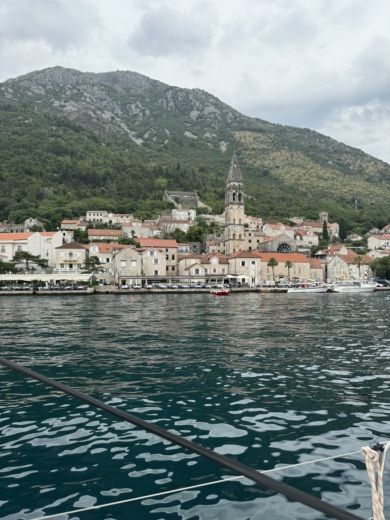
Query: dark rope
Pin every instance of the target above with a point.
(237, 467)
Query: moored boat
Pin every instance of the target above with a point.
(220, 292)
(308, 288)
(353, 286)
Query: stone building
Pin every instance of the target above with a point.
(168, 247)
(234, 210)
(70, 258)
(245, 268)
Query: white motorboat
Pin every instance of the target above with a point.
(308, 288)
(354, 286)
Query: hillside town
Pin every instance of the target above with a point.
(235, 249)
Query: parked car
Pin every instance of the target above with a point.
(124, 286)
(382, 282)
(136, 286)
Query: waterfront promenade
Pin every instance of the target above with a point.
(115, 290)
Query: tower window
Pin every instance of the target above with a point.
(239, 197)
(234, 196)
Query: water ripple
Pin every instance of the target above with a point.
(266, 379)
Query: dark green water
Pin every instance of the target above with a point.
(268, 379)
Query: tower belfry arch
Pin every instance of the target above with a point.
(234, 209)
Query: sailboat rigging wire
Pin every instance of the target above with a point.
(188, 488)
(237, 467)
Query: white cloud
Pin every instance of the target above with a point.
(367, 126)
(171, 31)
(59, 24)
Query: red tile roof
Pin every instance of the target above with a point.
(244, 254)
(47, 233)
(105, 232)
(157, 243)
(385, 236)
(13, 237)
(284, 257)
(315, 263)
(69, 221)
(72, 245)
(106, 248)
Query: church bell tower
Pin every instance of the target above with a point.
(234, 210)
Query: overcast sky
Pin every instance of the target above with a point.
(319, 64)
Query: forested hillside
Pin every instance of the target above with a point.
(72, 141)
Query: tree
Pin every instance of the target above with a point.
(289, 265)
(92, 265)
(26, 258)
(358, 261)
(81, 236)
(273, 263)
(179, 235)
(381, 267)
(325, 232)
(7, 267)
(127, 241)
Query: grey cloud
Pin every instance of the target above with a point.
(165, 31)
(60, 24)
(365, 126)
(371, 68)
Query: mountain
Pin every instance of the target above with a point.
(73, 141)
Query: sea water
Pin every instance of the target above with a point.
(270, 380)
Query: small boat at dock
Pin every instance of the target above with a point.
(308, 288)
(220, 292)
(354, 286)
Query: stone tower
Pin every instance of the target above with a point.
(234, 210)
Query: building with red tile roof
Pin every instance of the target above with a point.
(167, 246)
(104, 234)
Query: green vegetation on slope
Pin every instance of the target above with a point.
(72, 141)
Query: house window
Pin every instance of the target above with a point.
(155, 261)
(243, 263)
(173, 268)
(134, 263)
(196, 271)
(214, 270)
(3, 249)
(223, 271)
(155, 273)
(70, 266)
(166, 257)
(19, 248)
(253, 262)
(173, 257)
(123, 263)
(62, 266)
(151, 253)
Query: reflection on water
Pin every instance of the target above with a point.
(268, 379)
